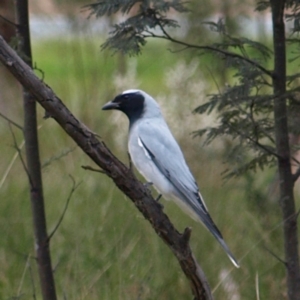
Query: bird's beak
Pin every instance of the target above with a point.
(110, 105)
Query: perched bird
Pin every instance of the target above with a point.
(157, 156)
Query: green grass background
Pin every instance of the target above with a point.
(104, 248)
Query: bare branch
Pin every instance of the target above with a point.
(32, 281)
(40, 70)
(73, 189)
(58, 156)
(6, 172)
(20, 154)
(166, 36)
(8, 21)
(11, 122)
(22, 277)
(255, 142)
(275, 255)
(116, 170)
(93, 169)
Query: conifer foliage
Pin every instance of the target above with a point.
(129, 36)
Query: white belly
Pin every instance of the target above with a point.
(148, 169)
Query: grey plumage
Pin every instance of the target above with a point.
(158, 157)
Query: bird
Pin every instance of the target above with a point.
(158, 157)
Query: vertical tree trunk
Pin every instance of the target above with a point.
(287, 202)
(33, 164)
(7, 29)
(9, 87)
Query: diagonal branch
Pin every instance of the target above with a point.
(116, 170)
(226, 53)
(11, 121)
(8, 21)
(255, 142)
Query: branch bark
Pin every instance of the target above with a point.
(116, 170)
(287, 201)
(33, 163)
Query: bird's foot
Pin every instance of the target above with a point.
(148, 184)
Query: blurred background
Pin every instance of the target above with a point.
(104, 248)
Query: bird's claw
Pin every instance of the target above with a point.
(148, 184)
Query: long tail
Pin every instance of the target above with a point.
(210, 225)
(228, 252)
(196, 208)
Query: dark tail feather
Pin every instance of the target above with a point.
(208, 222)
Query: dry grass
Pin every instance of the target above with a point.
(104, 249)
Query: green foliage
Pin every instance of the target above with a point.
(108, 8)
(262, 5)
(245, 106)
(129, 36)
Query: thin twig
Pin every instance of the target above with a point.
(6, 172)
(11, 121)
(8, 21)
(74, 187)
(278, 225)
(251, 116)
(58, 156)
(23, 276)
(275, 255)
(214, 80)
(20, 154)
(166, 36)
(32, 281)
(93, 169)
(265, 148)
(40, 70)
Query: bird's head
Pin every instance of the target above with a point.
(136, 104)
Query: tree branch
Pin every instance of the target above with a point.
(11, 121)
(255, 142)
(116, 170)
(8, 21)
(166, 36)
(73, 189)
(276, 256)
(20, 154)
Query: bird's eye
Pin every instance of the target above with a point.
(126, 97)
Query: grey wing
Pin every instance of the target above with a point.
(165, 153)
(167, 156)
